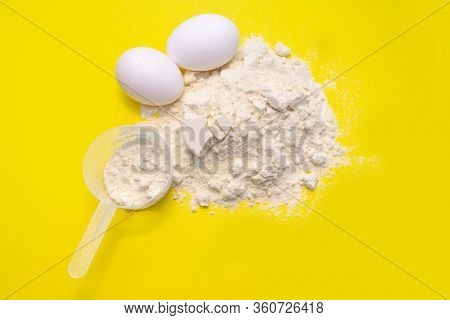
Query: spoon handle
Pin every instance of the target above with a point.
(91, 239)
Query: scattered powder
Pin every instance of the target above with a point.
(265, 130)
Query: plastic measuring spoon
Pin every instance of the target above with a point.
(97, 155)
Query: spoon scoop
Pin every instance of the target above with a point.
(97, 155)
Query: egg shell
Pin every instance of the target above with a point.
(149, 76)
(204, 42)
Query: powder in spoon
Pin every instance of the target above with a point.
(136, 174)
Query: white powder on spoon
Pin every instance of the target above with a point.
(267, 130)
(136, 174)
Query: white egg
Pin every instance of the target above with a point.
(204, 42)
(149, 76)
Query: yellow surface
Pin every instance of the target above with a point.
(393, 109)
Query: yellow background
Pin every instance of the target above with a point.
(393, 109)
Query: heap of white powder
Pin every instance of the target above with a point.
(261, 130)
